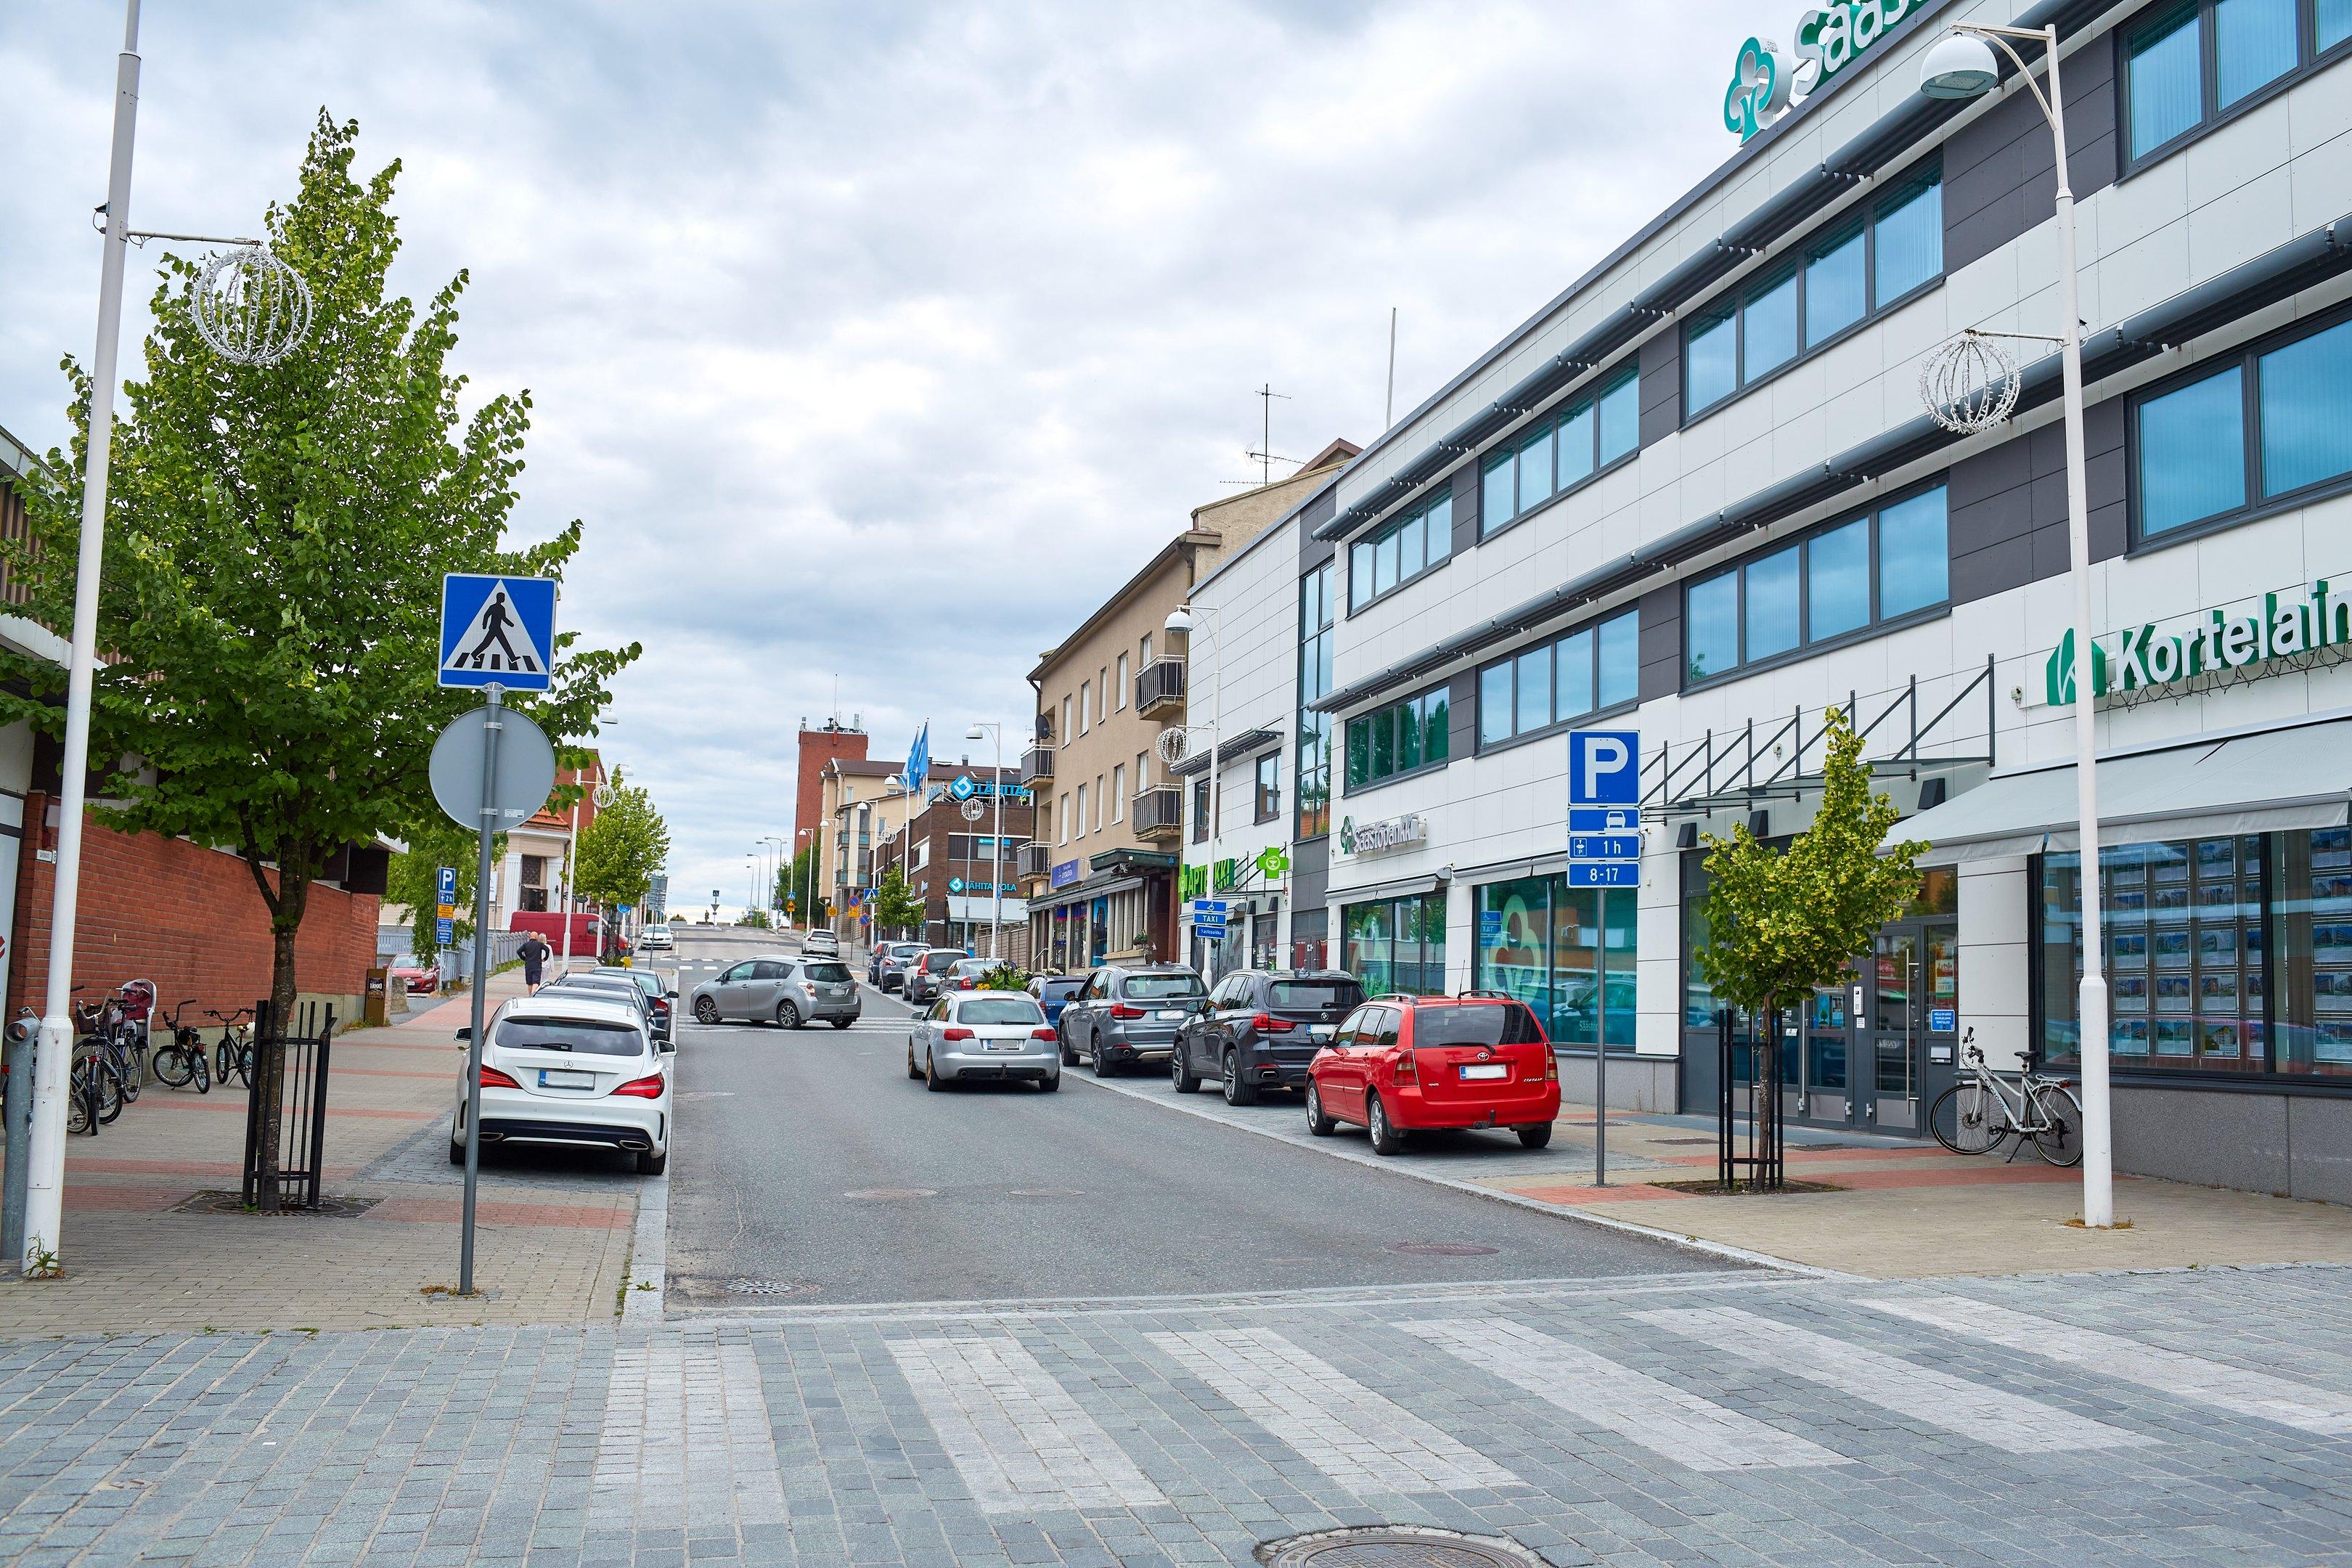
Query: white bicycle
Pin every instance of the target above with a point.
(1985, 1109)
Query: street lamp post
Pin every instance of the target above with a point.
(1962, 66)
(808, 907)
(1179, 623)
(773, 899)
(996, 832)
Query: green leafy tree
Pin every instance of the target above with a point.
(797, 889)
(895, 905)
(622, 849)
(1782, 922)
(415, 879)
(276, 540)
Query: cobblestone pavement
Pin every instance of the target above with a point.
(1736, 1419)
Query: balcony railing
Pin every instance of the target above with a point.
(1159, 812)
(1038, 766)
(1033, 860)
(1160, 687)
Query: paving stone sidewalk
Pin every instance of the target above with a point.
(1743, 1419)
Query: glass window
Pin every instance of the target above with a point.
(1495, 721)
(1535, 468)
(1411, 545)
(2162, 77)
(1437, 723)
(1360, 753)
(1712, 632)
(2306, 410)
(1384, 564)
(1837, 581)
(1573, 697)
(1408, 736)
(1360, 576)
(1383, 725)
(1396, 945)
(1314, 743)
(1771, 326)
(1497, 503)
(1619, 660)
(1836, 297)
(1711, 360)
(1557, 682)
(1404, 734)
(1620, 418)
(2253, 45)
(2192, 454)
(1914, 557)
(1439, 526)
(1535, 689)
(2334, 22)
(1910, 242)
(1539, 941)
(1575, 440)
(1771, 605)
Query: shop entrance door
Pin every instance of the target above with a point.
(1914, 1002)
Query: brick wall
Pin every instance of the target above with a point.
(818, 747)
(187, 918)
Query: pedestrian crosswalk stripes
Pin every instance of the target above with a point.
(1994, 1416)
(2232, 1388)
(1597, 1392)
(1016, 1436)
(1360, 1438)
(686, 1437)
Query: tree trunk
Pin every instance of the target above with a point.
(270, 1042)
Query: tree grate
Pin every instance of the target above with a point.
(1396, 1546)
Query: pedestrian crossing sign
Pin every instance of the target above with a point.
(498, 630)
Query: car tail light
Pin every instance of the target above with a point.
(644, 1088)
(1267, 1024)
(1122, 1010)
(493, 1079)
(955, 1034)
(1551, 1067)
(1407, 1070)
(1043, 1035)
(964, 984)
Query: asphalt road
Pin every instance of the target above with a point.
(807, 1165)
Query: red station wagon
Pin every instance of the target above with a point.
(1407, 1064)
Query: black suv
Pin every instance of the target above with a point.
(1259, 1029)
(1127, 1014)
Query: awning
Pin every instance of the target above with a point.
(2273, 781)
(1372, 893)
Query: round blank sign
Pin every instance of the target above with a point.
(526, 768)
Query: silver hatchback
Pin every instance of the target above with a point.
(790, 991)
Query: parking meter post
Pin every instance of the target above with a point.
(1601, 1051)
(488, 831)
(17, 1113)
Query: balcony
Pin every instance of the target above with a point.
(1033, 860)
(1160, 690)
(1038, 766)
(1159, 813)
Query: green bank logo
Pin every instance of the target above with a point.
(1765, 80)
(2165, 653)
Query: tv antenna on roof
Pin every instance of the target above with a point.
(1263, 453)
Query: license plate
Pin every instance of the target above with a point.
(564, 1077)
(1169, 1013)
(1498, 1070)
(1321, 1032)
(1003, 1045)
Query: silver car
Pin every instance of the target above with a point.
(791, 991)
(995, 1035)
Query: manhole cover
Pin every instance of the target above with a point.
(769, 1288)
(883, 1195)
(328, 1207)
(1396, 1546)
(1442, 1248)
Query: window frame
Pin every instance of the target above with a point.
(2310, 59)
(1556, 726)
(1266, 777)
(1372, 780)
(1802, 540)
(1796, 262)
(2246, 359)
(1627, 373)
(1367, 544)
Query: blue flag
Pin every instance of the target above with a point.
(919, 760)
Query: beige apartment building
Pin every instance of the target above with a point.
(1099, 881)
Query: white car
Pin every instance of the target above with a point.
(993, 1036)
(820, 944)
(656, 939)
(569, 1067)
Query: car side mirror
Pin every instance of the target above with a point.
(669, 1045)
(671, 995)
(466, 1033)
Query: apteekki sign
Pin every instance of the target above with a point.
(2205, 642)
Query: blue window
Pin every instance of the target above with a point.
(1834, 293)
(2164, 76)
(1497, 720)
(2193, 63)
(2306, 411)
(2192, 452)
(1772, 325)
(1557, 453)
(1711, 359)
(2334, 22)
(2254, 46)
(1498, 495)
(1909, 240)
(1535, 468)
(1620, 417)
(1838, 580)
(1576, 449)
(1400, 737)
(1400, 550)
(1619, 659)
(2273, 421)
(1561, 681)
(1533, 703)
(1574, 693)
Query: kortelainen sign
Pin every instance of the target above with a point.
(2205, 642)
(1765, 79)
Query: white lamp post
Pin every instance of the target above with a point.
(996, 831)
(1179, 623)
(1962, 66)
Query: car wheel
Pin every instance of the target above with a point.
(1096, 1058)
(788, 1016)
(912, 1070)
(1535, 1137)
(652, 1164)
(1069, 1057)
(1180, 1070)
(1386, 1139)
(457, 1150)
(843, 1023)
(1317, 1123)
(931, 1079)
(1239, 1090)
(706, 1011)
(1051, 1084)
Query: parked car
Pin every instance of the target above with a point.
(422, 979)
(966, 974)
(588, 981)
(986, 1034)
(1125, 1015)
(791, 991)
(1402, 1064)
(889, 963)
(571, 1066)
(658, 992)
(1052, 992)
(1259, 1029)
(657, 939)
(927, 974)
(820, 944)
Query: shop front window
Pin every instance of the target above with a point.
(1396, 944)
(1541, 940)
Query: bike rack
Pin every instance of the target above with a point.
(1765, 1165)
(300, 1153)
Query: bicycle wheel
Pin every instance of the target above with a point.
(126, 1072)
(1970, 1118)
(203, 1074)
(174, 1067)
(2058, 1131)
(80, 1118)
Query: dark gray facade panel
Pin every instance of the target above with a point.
(1662, 641)
(2211, 1138)
(2007, 506)
(2000, 172)
(1314, 551)
(2319, 1141)
(1662, 386)
(1310, 877)
(1462, 713)
(1466, 509)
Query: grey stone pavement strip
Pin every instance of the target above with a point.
(805, 1443)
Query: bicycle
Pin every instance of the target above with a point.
(1986, 1108)
(183, 1060)
(108, 1034)
(234, 1054)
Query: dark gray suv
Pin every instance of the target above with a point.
(1127, 1015)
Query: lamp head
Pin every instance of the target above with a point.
(977, 732)
(1960, 66)
(1180, 621)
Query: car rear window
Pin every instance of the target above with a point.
(1062, 990)
(1476, 1024)
(940, 963)
(1317, 994)
(831, 973)
(998, 1009)
(581, 1037)
(585, 988)
(1153, 986)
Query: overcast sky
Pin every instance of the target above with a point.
(874, 338)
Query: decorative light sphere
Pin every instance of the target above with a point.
(250, 308)
(1172, 744)
(1969, 383)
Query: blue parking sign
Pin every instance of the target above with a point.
(448, 885)
(1604, 767)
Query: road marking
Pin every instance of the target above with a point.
(1597, 1392)
(2007, 1421)
(1019, 1440)
(2249, 1392)
(1364, 1440)
(685, 1437)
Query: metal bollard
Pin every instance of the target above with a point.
(16, 1113)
